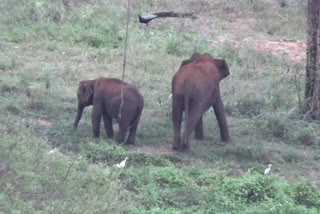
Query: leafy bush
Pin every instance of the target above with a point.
(272, 125)
(101, 151)
(168, 176)
(250, 107)
(307, 194)
(140, 159)
(290, 156)
(305, 136)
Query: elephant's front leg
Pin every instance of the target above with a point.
(222, 121)
(96, 119)
(176, 119)
(198, 134)
(107, 120)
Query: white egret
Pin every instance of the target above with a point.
(52, 151)
(122, 164)
(267, 170)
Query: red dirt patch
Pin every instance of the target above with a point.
(43, 122)
(294, 50)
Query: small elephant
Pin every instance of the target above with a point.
(105, 96)
(195, 87)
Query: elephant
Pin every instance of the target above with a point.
(105, 96)
(195, 87)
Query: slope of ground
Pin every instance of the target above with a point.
(47, 47)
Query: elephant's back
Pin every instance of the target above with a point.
(192, 75)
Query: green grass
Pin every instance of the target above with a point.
(45, 51)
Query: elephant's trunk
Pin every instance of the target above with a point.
(79, 114)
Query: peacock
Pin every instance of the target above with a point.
(147, 18)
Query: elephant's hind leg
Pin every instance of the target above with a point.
(193, 117)
(107, 120)
(123, 127)
(198, 133)
(176, 119)
(132, 134)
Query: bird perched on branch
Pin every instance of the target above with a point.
(147, 18)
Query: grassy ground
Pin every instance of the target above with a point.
(46, 49)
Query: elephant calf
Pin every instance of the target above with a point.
(105, 96)
(195, 88)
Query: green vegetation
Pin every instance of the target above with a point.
(47, 47)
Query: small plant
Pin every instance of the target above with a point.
(272, 125)
(305, 136)
(273, 27)
(104, 151)
(172, 45)
(139, 159)
(168, 176)
(13, 108)
(250, 107)
(290, 156)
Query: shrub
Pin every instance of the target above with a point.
(290, 156)
(272, 125)
(250, 107)
(102, 151)
(140, 159)
(168, 176)
(305, 136)
(307, 194)
(255, 188)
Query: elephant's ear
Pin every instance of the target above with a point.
(85, 92)
(222, 67)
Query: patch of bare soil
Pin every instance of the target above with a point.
(41, 122)
(238, 36)
(293, 50)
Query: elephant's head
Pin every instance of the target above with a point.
(192, 58)
(85, 93)
(85, 98)
(220, 63)
(222, 67)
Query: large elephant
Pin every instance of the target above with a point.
(105, 96)
(195, 87)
